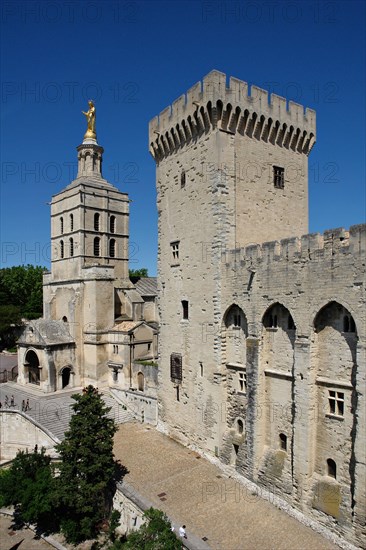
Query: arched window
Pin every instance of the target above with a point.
(96, 221)
(71, 247)
(112, 248)
(112, 224)
(283, 442)
(62, 251)
(140, 381)
(64, 318)
(331, 468)
(240, 426)
(31, 361)
(61, 225)
(97, 246)
(71, 222)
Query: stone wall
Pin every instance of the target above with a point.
(17, 433)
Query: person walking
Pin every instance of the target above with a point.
(27, 407)
(182, 532)
(23, 405)
(12, 402)
(6, 403)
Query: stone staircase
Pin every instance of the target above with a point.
(53, 411)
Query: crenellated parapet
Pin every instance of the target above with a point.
(311, 247)
(211, 104)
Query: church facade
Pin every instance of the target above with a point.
(262, 340)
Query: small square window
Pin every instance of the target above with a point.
(279, 177)
(336, 402)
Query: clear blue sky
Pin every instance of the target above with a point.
(134, 58)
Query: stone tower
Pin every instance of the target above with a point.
(231, 169)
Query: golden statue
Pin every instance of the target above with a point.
(90, 117)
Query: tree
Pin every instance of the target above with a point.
(138, 273)
(28, 485)
(22, 286)
(21, 295)
(155, 534)
(87, 472)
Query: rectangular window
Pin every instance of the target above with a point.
(243, 381)
(175, 250)
(279, 177)
(176, 366)
(336, 402)
(185, 311)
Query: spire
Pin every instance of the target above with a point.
(89, 152)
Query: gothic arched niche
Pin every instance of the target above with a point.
(335, 338)
(234, 334)
(334, 366)
(278, 338)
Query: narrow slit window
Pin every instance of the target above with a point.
(182, 179)
(71, 247)
(96, 222)
(71, 222)
(61, 225)
(62, 251)
(112, 224)
(185, 309)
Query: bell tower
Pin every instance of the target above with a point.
(89, 258)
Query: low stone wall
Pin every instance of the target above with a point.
(142, 407)
(19, 433)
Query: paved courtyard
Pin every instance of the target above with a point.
(194, 492)
(24, 537)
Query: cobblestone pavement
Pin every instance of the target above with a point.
(194, 492)
(9, 538)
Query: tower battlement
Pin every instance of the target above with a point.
(212, 104)
(313, 246)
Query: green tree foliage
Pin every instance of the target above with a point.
(155, 534)
(21, 286)
(138, 273)
(87, 472)
(20, 296)
(28, 485)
